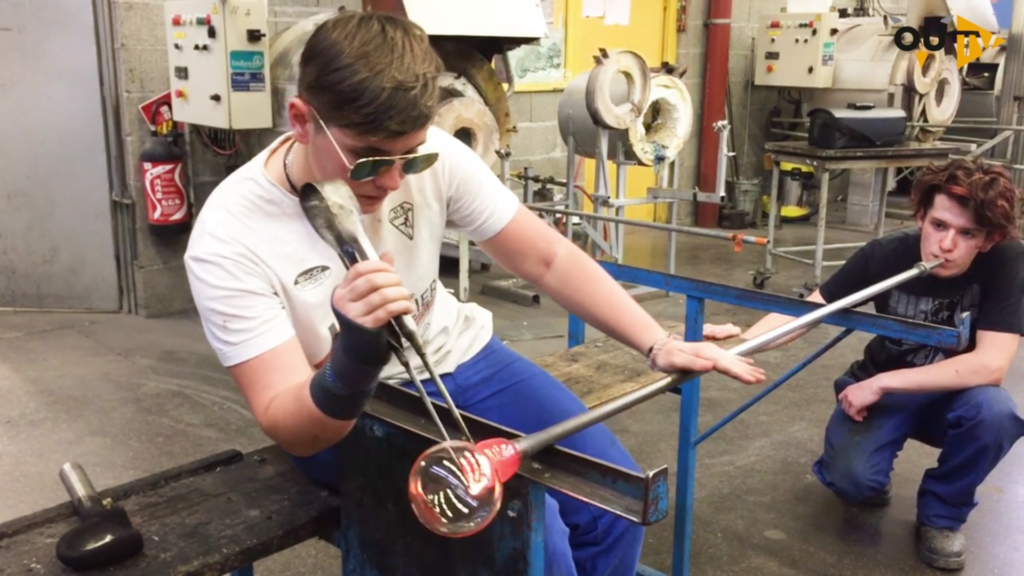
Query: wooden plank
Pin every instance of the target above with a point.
(200, 525)
(602, 369)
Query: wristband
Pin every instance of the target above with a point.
(346, 381)
(657, 346)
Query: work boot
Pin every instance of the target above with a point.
(942, 549)
(881, 499)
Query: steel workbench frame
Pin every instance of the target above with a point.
(697, 292)
(908, 155)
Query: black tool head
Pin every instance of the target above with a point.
(106, 539)
(333, 211)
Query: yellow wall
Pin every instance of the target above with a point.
(652, 34)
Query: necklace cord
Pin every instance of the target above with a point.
(287, 163)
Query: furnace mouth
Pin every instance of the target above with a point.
(661, 132)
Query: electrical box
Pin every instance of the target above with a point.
(796, 50)
(218, 54)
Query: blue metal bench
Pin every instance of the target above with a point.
(697, 293)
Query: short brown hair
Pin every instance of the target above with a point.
(986, 190)
(372, 73)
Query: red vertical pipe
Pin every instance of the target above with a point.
(716, 77)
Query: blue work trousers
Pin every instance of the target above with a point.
(506, 388)
(973, 429)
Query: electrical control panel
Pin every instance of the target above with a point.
(218, 54)
(796, 50)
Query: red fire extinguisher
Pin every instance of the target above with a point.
(163, 175)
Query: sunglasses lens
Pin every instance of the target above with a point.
(371, 168)
(418, 164)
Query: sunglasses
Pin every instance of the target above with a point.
(370, 168)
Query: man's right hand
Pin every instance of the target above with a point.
(372, 293)
(677, 356)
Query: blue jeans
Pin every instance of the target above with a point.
(974, 429)
(506, 388)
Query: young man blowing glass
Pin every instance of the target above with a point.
(304, 339)
(899, 390)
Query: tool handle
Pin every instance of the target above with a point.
(354, 251)
(84, 498)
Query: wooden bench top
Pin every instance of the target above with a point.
(602, 369)
(205, 518)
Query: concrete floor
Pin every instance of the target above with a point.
(126, 397)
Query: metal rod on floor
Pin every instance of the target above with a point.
(537, 441)
(746, 239)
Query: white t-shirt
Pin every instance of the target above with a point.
(260, 274)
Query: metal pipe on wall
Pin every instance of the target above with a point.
(716, 78)
(1013, 82)
(122, 203)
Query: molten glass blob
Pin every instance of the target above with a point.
(454, 489)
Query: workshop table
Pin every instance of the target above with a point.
(909, 154)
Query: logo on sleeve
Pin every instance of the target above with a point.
(312, 277)
(401, 217)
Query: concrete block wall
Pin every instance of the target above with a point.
(536, 142)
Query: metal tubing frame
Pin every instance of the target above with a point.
(122, 202)
(697, 292)
(883, 162)
(735, 237)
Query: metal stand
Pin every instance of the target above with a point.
(606, 238)
(674, 195)
(697, 292)
(912, 154)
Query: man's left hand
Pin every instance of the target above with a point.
(857, 398)
(721, 331)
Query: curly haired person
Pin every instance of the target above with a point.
(900, 390)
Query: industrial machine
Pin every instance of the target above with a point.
(834, 57)
(623, 112)
(821, 57)
(865, 78)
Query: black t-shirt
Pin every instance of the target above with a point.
(992, 288)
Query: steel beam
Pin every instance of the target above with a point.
(641, 498)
